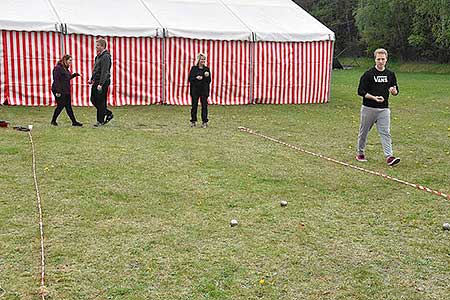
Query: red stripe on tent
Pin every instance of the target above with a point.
(85, 101)
(151, 90)
(18, 57)
(40, 100)
(138, 51)
(318, 66)
(32, 65)
(134, 72)
(5, 80)
(279, 73)
(266, 71)
(284, 73)
(313, 71)
(120, 76)
(47, 69)
(76, 67)
(321, 66)
(11, 65)
(2, 68)
(53, 49)
(115, 87)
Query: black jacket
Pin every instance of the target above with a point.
(61, 79)
(102, 68)
(199, 87)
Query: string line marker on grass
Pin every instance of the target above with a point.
(42, 290)
(417, 186)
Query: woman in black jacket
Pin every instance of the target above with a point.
(200, 79)
(61, 89)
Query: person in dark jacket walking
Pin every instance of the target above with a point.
(199, 79)
(61, 89)
(374, 87)
(100, 80)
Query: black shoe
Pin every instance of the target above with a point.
(193, 124)
(77, 124)
(54, 123)
(205, 125)
(108, 118)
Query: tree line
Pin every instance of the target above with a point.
(416, 30)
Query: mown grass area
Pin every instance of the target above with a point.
(140, 208)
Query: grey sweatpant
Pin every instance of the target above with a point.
(381, 117)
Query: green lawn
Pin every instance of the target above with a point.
(140, 208)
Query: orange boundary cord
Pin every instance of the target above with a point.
(417, 186)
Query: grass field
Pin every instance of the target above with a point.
(140, 208)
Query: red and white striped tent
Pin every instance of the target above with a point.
(259, 51)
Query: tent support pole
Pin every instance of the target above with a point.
(252, 68)
(61, 40)
(163, 69)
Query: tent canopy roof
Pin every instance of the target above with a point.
(262, 20)
(107, 17)
(279, 20)
(199, 19)
(27, 15)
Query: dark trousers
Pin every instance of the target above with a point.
(98, 99)
(204, 101)
(63, 102)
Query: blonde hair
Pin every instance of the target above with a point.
(380, 51)
(200, 55)
(101, 42)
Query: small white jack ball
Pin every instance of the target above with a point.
(233, 223)
(446, 226)
(283, 203)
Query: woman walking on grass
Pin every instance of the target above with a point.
(61, 89)
(199, 79)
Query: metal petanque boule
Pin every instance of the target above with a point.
(283, 203)
(233, 223)
(446, 226)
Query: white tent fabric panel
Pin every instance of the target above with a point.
(107, 17)
(198, 19)
(29, 58)
(135, 71)
(229, 62)
(292, 73)
(279, 20)
(27, 15)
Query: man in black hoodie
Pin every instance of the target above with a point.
(374, 87)
(100, 80)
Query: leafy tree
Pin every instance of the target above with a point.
(409, 29)
(338, 16)
(387, 24)
(431, 29)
